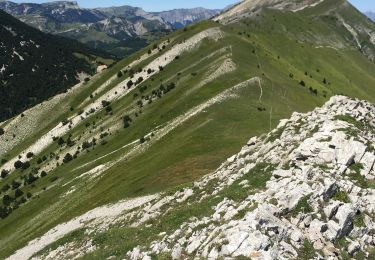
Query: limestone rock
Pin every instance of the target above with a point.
(310, 194)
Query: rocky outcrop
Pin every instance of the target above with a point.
(304, 190)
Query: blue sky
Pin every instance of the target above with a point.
(159, 5)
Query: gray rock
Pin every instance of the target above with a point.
(345, 215)
(353, 248)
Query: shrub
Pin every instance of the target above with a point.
(25, 165)
(140, 79)
(86, 145)
(313, 91)
(108, 109)
(129, 84)
(127, 120)
(119, 74)
(69, 143)
(18, 164)
(169, 87)
(29, 155)
(142, 140)
(65, 122)
(7, 200)
(15, 184)
(302, 83)
(4, 173)
(103, 135)
(43, 174)
(2, 131)
(105, 103)
(67, 158)
(31, 178)
(18, 193)
(4, 212)
(131, 73)
(60, 141)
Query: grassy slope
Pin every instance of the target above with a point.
(199, 145)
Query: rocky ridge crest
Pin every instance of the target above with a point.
(304, 190)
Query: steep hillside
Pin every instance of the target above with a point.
(35, 66)
(172, 113)
(119, 30)
(338, 14)
(306, 190)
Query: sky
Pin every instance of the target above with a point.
(160, 5)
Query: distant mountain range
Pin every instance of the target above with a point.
(119, 30)
(371, 15)
(35, 66)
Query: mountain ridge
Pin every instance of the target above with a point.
(275, 189)
(127, 29)
(157, 122)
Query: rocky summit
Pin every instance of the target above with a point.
(305, 190)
